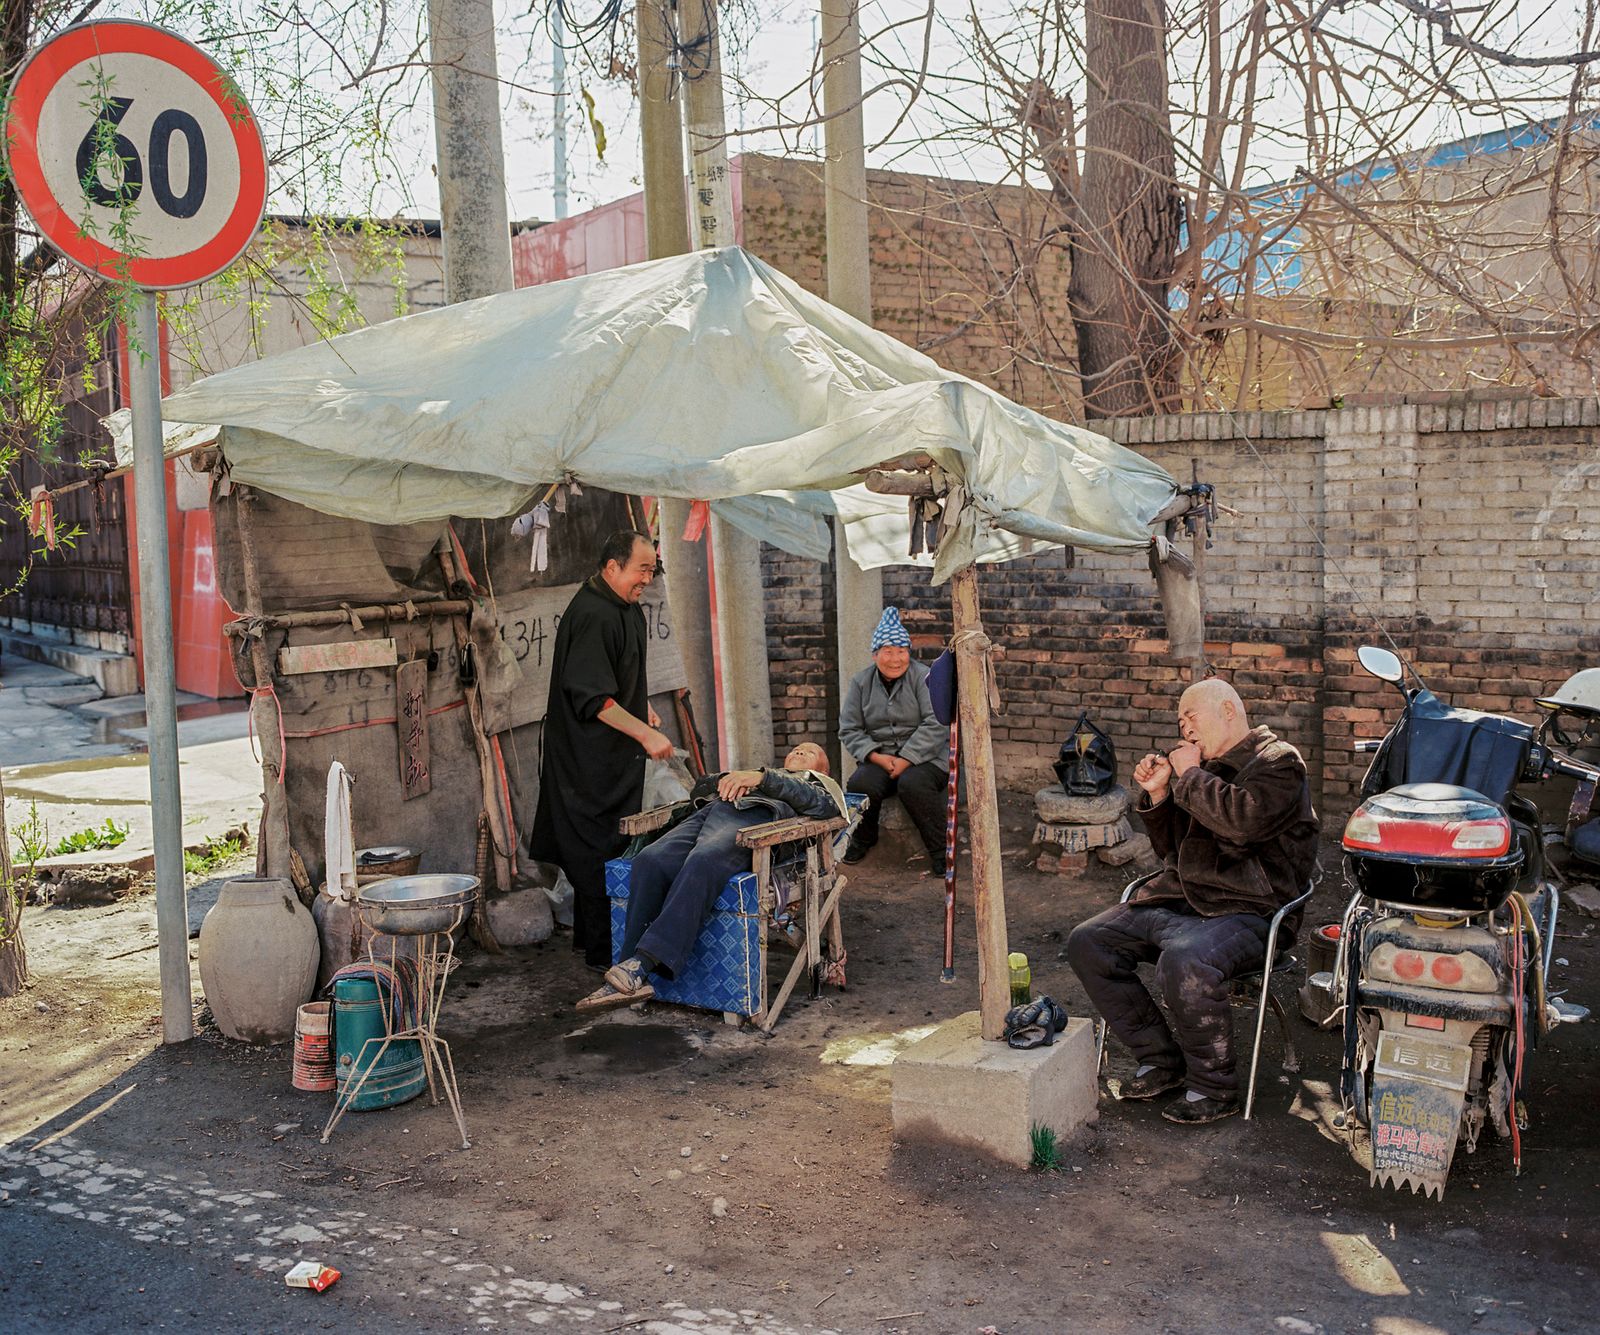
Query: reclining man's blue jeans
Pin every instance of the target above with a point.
(676, 880)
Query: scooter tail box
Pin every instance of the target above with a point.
(1434, 846)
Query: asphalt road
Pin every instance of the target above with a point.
(64, 1274)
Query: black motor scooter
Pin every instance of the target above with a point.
(1446, 944)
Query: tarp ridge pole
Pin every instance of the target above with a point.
(858, 594)
(736, 557)
(972, 647)
(666, 231)
(160, 698)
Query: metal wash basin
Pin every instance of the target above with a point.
(413, 905)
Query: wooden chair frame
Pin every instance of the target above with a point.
(1252, 985)
(821, 886)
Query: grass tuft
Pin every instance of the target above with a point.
(1046, 1149)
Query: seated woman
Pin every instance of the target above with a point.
(675, 881)
(886, 722)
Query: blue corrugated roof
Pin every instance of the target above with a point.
(1278, 263)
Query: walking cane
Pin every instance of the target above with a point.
(950, 856)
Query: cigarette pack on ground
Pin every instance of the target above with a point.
(310, 1275)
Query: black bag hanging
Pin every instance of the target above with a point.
(1088, 763)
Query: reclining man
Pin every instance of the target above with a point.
(1229, 812)
(676, 880)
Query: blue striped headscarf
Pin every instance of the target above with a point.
(890, 631)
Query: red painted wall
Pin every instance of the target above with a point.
(202, 665)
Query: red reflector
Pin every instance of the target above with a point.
(1424, 1022)
(1408, 964)
(1447, 969)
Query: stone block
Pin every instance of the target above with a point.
(1082, 838)
(1137, 849)
(1054, 806)
(955, 1088)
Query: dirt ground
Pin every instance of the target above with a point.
(660, 1171)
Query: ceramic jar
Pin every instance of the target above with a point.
(258, 959)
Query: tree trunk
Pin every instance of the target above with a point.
(18, 16)
(13, 955)
(1128, 213)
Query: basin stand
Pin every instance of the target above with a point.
(435, 959)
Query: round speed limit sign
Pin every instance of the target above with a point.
(135, 154)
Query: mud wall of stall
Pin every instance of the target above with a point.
(310, 562)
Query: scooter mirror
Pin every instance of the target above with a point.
(1381, 663)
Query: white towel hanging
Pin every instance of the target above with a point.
(338, 836)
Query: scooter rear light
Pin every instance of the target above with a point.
(1492, 837)
(1388, 824)
(1462, 972)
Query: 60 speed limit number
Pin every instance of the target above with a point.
(135, 154)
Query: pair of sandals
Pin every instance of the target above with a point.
(1036, 1024)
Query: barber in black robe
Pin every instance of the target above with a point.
(598, 727)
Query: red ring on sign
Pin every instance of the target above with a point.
(37, 79)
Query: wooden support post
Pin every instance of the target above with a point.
(983, 815)
(272, 854)
(495, 801)
(1202, 531)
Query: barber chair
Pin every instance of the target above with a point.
(1255, 986)
(789, 897)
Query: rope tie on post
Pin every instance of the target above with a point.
(984, 647)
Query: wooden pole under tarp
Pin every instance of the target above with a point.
(911, 476)
(973, 678)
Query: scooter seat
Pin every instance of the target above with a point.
(1439, 792)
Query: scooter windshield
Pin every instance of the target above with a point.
(1483, 752)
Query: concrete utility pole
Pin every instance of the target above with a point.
(558, 129)
(666, 227)
(741, 603)
(466, 130)
(859, 592)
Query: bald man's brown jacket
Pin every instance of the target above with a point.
(1238, 833)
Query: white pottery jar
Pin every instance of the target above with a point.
(258, 959)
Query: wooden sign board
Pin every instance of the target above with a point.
(344, 656)
(411, 718)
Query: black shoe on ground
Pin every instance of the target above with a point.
(1151, 1085)
(1197, 1112)
(854, 852)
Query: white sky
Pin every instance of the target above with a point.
(775, 59)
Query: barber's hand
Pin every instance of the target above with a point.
(651, 717)
(1154, 774)
(1185, 757)
(736, 783)
(656, 745)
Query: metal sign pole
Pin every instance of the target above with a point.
(161, 707)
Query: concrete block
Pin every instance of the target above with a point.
(954, 1088)
(116, 674)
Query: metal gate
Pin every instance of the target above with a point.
(83, 586)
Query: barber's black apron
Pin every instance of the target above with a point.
(591, 775)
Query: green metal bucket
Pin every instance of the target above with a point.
(396, 1074)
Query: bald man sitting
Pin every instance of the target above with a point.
(1229, 813)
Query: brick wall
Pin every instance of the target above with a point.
(966, 272)
(1470, 531)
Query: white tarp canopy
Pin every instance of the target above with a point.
(708, 376)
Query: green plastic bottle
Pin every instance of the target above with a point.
(1021, 978)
